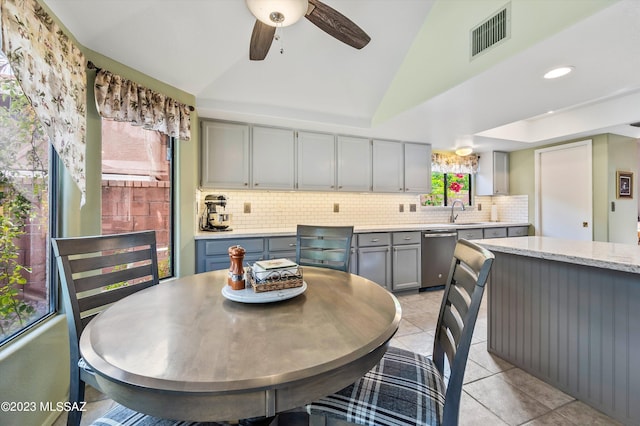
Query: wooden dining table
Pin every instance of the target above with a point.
(182, 350)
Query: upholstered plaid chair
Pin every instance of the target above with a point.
(407, 388)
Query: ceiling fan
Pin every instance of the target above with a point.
(271, 14)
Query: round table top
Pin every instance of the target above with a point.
(184, 337)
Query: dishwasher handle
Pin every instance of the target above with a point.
(449, 234)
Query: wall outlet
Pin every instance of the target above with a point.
(412, 207)
(401, 208)
(247, 207)
(336, 207)
(479, 207)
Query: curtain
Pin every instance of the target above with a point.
(451, 163)
(51, 71)
(123, 100)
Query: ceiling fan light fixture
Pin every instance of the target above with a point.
(464, 151)
(280, 13)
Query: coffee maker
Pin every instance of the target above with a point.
(213, 216)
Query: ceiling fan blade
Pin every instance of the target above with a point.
(261, 39)
(336, 24)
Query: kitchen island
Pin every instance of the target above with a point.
(568, 312)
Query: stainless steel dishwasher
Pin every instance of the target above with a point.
(437, 252)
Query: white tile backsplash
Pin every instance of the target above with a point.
(278, 209)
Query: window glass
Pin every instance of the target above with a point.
(137, 185)
(26, 295)
(448, 187)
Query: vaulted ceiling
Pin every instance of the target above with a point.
(414, 81)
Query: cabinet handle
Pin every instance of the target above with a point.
(292, 245)
(246, 184)
(256, 184)
(375, 240)
(407, 238)
(399, 189)
(340, 187)
(332, 187)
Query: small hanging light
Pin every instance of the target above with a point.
(278, 12)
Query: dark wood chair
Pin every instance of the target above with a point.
(94, 273)
(407, 388)
(324, 246)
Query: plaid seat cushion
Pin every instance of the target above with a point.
(123, 416)
(405, 388)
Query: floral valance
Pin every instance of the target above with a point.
(51, 71)
(120, 99)
(451, 163)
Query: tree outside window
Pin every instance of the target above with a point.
(448, 187)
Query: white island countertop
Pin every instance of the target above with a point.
(614, 256)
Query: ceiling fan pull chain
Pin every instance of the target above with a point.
(278, 36)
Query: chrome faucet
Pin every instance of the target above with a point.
(452, 218)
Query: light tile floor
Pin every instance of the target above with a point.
(494, 391)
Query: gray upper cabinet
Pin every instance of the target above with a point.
(273, 158)
(388, 166)
(417, 168)
(354, 164)
(493, 174)
(225, 155)
(316, 161)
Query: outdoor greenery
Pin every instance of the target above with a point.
(446, 187)
(23, 180)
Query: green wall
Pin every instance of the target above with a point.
(522, 172)
(35, 367)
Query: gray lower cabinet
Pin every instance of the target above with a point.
(495, 232)
(406, 261)
(518, 231)
(281, 247)
(374, 258)
(212, 255)
(470, 234)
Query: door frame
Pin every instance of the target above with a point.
(537, 160)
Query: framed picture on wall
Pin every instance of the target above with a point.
(625, 184)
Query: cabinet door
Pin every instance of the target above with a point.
(374, 263)
(500, 173)
(273, 158)
(225, 155)
(417, 168)
(406, 267)
(493, 174)
(388, 166)
(316, 161)
(354, 164)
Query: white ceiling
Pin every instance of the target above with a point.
(318, 83)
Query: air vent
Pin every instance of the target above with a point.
(492, 31)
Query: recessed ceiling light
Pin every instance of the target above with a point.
(558, 72)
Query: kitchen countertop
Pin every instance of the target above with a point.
(290, 231)
(614, 256)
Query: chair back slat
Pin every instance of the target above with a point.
(324, 246)
(105, 259)
(113, 278)
(464, 290)
(107, 297)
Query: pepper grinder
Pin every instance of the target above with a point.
(236, 271)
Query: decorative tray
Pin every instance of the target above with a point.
(264, 280)
(249, 296)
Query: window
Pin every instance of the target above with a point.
(26, 294)
(137, 185)
(447, 187)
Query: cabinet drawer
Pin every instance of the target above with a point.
(518, 231)
(470, 234)
(250, 245)
(399, 238)
(495, 232)
(374, 239)
(281, 243)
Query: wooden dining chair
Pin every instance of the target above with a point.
(324, 246)
(406, 388)
(95, 272)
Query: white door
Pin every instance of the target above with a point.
(564, 191)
